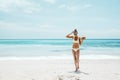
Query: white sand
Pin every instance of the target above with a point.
(59, 70)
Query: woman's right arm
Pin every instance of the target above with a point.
(69, 35)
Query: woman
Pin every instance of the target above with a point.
(75, 48)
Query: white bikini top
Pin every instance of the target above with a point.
(75, 41)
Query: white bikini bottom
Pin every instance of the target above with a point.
(75, 49)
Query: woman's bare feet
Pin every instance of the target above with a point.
(78, 67)
(76, 70)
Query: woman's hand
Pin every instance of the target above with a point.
(83, 38)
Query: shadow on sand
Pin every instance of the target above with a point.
(73, 76)
(79, 72)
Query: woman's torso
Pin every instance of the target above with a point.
(75, 42)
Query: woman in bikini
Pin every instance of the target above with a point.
(75, 48)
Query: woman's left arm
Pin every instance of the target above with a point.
(80, 41)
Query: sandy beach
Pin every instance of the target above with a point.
(59, 69)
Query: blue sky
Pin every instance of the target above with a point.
(21, 19)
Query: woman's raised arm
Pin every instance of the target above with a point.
(69, 35)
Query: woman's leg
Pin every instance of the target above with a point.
(78, 54)
(75, 59)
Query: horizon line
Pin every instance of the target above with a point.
(52, 38)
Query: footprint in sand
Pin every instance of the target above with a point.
(70, 77)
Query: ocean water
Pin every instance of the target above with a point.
(58, 49)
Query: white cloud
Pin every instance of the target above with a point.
(69, 7)
(7, 27)
(15, 5)
(87, 6)
(27, 30)
(50, 1)
(72, 8)
(62, 6)
(75, 7)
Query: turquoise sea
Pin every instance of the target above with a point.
(58, 49)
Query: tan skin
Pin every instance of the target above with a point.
(75, 53)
